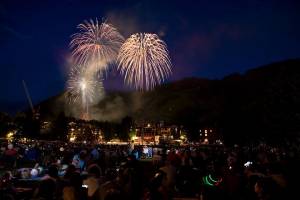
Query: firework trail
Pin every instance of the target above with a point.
(95, 45)
(144, 61)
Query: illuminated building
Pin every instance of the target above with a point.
(84, 131)
(209, 135)
(155, 133)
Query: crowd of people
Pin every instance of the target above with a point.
(71, 171)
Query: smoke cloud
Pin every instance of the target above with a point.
(112, 108)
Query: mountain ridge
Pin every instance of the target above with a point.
(265, 99)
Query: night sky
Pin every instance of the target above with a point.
(208, 39)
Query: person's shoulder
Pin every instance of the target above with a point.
(68, 189)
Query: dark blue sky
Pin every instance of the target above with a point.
(207, 39)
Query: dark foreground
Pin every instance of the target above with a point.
(56, 170)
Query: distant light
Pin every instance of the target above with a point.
(148, 125)
(72, 139)
(134, 138)
(10, 136)
(205, 134)
(205, 131)
(219, 142)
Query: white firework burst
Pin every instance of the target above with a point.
(83, 87)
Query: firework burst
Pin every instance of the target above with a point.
(96, 44)
(83, 87)
(144, 61)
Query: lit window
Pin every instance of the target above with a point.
(210, 130)
(205, 131)
(205, 134)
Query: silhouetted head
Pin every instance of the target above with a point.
(53, 171)
(94, 170)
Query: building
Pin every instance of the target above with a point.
(82, 131)
(155, 133)
(209, 135)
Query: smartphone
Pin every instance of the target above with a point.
(247, 164)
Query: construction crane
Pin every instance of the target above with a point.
(34, 113)
(28, 96)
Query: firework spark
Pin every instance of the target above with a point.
(83, 87)
(144, 61)
(96, 44)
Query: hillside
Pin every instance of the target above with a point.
(263, 101)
